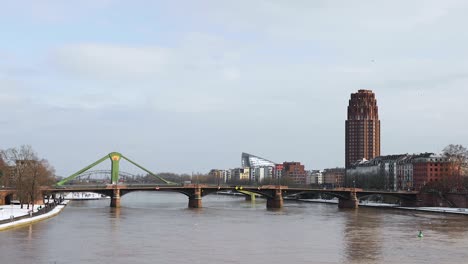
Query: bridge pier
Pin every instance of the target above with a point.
(115, 198)
(277, 201)
(195, 201)
(352, 202)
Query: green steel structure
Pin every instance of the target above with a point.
(250, 195)
(115, 158)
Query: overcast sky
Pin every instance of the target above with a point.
(187, 86)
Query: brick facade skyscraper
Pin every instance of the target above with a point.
(362, 127)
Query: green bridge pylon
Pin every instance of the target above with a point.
(251, 196)
(115, 158)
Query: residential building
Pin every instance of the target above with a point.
(334, 177)
(377, 173)
(295, 171)
(278, 172)
(227, 174)
(435, 171)
(219, 175)
(405, 172)
(240, 174)
(314, 177)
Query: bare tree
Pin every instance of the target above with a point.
(3, 173)
(40, 174)
(30, 173)
(16, 159)
(458, 154)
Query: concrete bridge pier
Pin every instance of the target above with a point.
(277, 201)
(115, 198)
(195, 200)
(352, 202)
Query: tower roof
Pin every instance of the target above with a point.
(363, 106)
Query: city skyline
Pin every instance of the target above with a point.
(184, 91)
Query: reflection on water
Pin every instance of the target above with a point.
(159, 228)
(391, 236)
(363, 238)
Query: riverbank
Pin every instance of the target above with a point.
(445, 210)
(12, 216)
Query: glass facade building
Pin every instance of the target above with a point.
(260, 168)
(252, 161)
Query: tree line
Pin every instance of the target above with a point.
(22, 169)
(458, 155)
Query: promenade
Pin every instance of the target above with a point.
(13, 216)
(447, 210)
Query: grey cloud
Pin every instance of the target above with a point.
(268, 77)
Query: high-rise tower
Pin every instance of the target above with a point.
(362, 127)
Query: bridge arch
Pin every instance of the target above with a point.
(6, 197)
(189, 192)
(401, 197)
(124, 191)
(339, 195)
(260, 191)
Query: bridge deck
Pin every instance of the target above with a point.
(91, 188)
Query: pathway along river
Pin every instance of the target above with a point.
(158, 228)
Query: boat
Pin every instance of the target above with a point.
(85, 196)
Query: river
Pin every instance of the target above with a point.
(158, 228)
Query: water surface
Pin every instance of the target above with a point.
(158, 228)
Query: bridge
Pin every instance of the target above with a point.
(274, 194)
